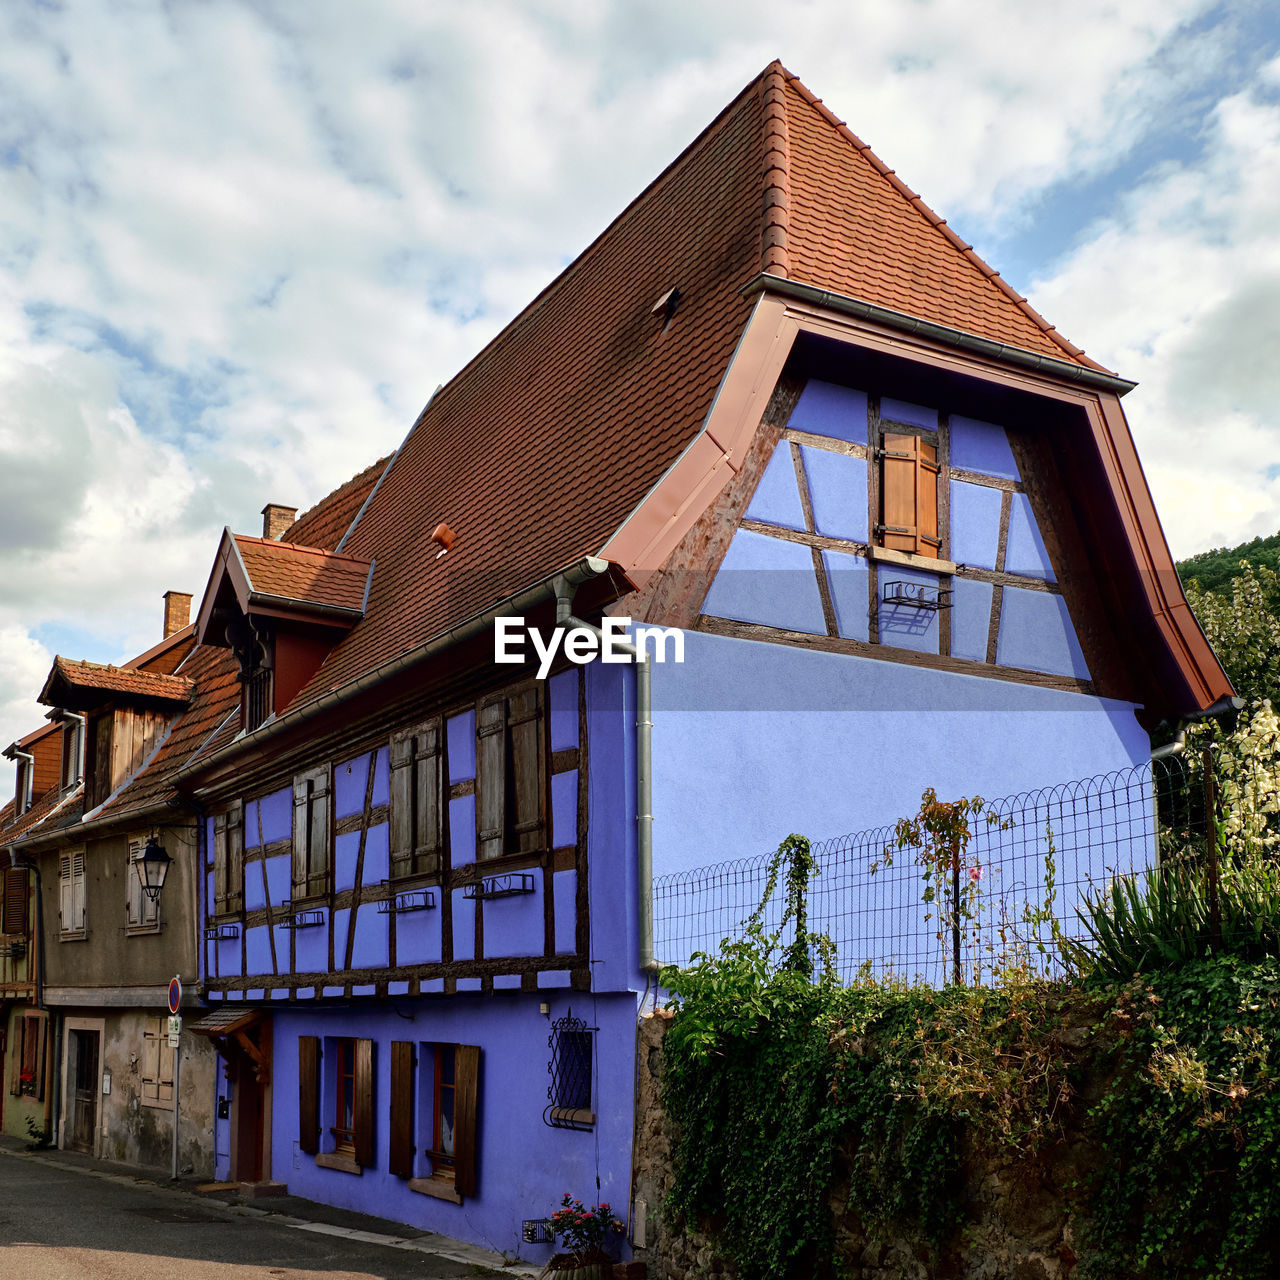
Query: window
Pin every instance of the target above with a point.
(29, 1061)
(569, 1094)
(72, 751)
(22, 792)
(346, 1102)
(311, 803)
(157, 1065)
(434, 1145)
(511, 773)
(908, 494)
(417, 787)
(253, 644)
(142, 912)
(228, 861)
(71, 894)
(16, 892)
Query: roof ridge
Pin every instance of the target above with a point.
(965, 250)
(775, 259)
(304, 547)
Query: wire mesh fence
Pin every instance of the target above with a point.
(1005, 898)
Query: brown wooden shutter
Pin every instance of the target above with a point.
(362, 1123)
(235, 857)
(401, 804)
(219, 863)
(427, 793)
(309, 1093)
(15, 901)
(466, 1130)
(491, 785)
(15, 1059)
(526, 790)
(909, 494)
(400, 1156)
(301, 834)
(318, 850)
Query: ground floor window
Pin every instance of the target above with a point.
(28, 1070)
(335, 1101)
(157, 1065)
(435, 1090)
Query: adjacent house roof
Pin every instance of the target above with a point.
(325, 523)
(81, 685)
(50, 809)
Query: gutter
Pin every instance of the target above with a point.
(1006, 354)
(644, 773)
(575, 575)
(1220, 709)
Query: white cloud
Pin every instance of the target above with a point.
(1180, 289)
(240, 244)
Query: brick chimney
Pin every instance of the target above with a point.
(177, 611)
(276, 519)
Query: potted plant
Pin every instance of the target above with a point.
(583, 1232)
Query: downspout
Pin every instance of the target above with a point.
(84, 734)
(29, 776)
(51, 1077)
(1223, 707)
(644, 770)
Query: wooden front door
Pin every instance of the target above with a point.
(84, 1100)
(249, 1057)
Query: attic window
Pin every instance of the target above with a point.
(666, 305)
(253, 644)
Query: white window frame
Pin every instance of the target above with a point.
(71, 896)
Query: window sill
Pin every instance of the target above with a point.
(909, 560)
(573, 1115)
(74, 935)
(440, 1188)
(142, 930)
(334, 1160)
(160, 1104)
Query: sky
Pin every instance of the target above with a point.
(241, 243)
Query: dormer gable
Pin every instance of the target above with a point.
(280, 608)
(126, 712)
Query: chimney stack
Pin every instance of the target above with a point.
(177, 611)
(276, 519)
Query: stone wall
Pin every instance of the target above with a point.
(1019, 1216)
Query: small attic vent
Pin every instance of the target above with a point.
(666, 305)
(443, 537)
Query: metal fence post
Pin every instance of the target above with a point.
(955, 913)
(1211, 842)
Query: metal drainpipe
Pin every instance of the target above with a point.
(28, 782)
(51, 1078)
(1223, 707)
(644, 781)
(84, 733)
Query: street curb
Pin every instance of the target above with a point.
(457, 1251)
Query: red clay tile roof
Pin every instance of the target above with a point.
(45, 808)
(325, 523)
(305, 574)
(837, 217)
(168, 655)
(97, 677)
(6, 814)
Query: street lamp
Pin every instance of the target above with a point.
(153, 867)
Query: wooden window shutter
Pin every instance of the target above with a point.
(427, 794)
(309, 1093)
(301, 834)
(491, 785)
(318, 845)
(235, 857)
(362, 1122)
(15, 901)
(15, 1059)
(402, 779)
(525, 789)
(466, 1130)
(909, 494)
(400, 1156)
(220, 868)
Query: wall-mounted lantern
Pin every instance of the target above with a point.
(153, 867)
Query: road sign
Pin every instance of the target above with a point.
(175, 1031)
(175, 994)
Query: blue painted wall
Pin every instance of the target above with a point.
(755, 740)
(524, 1166)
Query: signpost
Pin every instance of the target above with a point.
(175, 1037)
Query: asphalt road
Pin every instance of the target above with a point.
(61, 1224)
